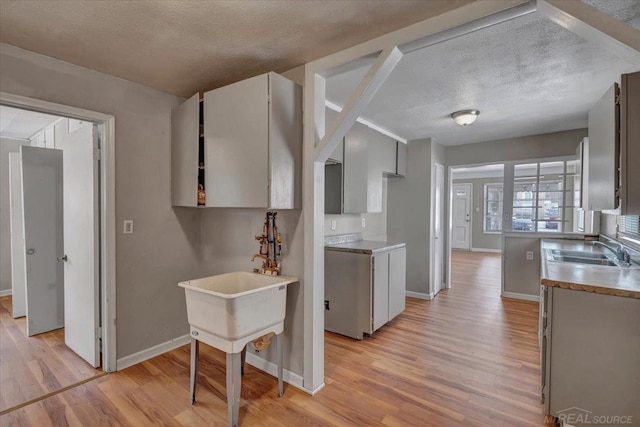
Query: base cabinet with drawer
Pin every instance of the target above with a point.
(363, 291)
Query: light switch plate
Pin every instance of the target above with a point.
(127, 226)
(364, 222)
(529, 255)
(333, 225)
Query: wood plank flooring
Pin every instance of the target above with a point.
(465, 358)
(31, 367)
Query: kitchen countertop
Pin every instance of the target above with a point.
(618, 281)
(369, 247)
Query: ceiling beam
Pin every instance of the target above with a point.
(594, 26)
(359, 100)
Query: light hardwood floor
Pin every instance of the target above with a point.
(466, 358)
(31, 367)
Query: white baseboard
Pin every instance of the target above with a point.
(154, 351)
(5, 293)
(494, 251)
(524, 297)
(271, 368)
(419, 295)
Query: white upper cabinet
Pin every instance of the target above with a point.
(611, 168)
(250, 151)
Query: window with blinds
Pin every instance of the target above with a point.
(629, 227)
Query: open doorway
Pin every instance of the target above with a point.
(51, 256)
(475, 215)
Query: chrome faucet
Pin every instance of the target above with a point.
(621, 253)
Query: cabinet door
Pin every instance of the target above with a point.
(401, 158)
(333, 188)
(185, 130)
(397, 281)
(355, 172)
(603, 153)
(380, 290)
(382, 153)
(236, 123)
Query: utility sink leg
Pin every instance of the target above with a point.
(279, 356)
(243, 357)
(195, 358)
(234, 384)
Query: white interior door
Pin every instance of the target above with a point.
(81, 239)
(18, 269)
(461, 227)
(43, 236)
(438, 243)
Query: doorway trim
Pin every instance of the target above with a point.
(107, 210)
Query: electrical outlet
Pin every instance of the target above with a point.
(326, 305)
(333, 225)
(364, 222)
(127, 226)
(529, 255)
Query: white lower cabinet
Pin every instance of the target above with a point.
(362, 291)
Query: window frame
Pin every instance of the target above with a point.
(485, 203)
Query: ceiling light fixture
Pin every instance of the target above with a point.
(465, 117)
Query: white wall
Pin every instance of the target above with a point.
(6, 146)
(165, 246)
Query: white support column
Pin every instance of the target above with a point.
(595, 26)
(359, 100)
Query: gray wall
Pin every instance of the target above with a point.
(228, 244)
(409, 213)
(527, 147)
(376, 223)
(520, 275)
(479, 239)
(165, 246)
(6, 146)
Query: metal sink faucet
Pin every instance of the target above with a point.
(621, 253)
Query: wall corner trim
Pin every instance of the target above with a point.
(151, 352)
(271, 368)
(419, 295)
(5, 292)
(524, 297)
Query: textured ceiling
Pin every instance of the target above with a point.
(22, 124)
(526, 76)
(182, 47)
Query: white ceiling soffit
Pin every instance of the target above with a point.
(527, 76)
(23, 124)
(182, 47)
(485, 171)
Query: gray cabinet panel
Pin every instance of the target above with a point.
(381, 153)
(355, 169)
(397, 281)
(185, 133)
(380, 290)
(285, 143)
(236, 119)
(593, 353)
(401, 158)
(603, 153)
(630, 144)
(333, 188)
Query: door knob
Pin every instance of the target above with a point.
(62, 258)
(31, 251)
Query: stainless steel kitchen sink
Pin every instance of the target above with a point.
(585, 260)
(578, 254)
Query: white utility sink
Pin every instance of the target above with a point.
(227, 312)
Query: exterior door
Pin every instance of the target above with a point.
(81, 239)
(461, 227)
(43, 235)
(18, 271)
(438, 233)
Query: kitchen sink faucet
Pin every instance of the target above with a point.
(621, 253)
